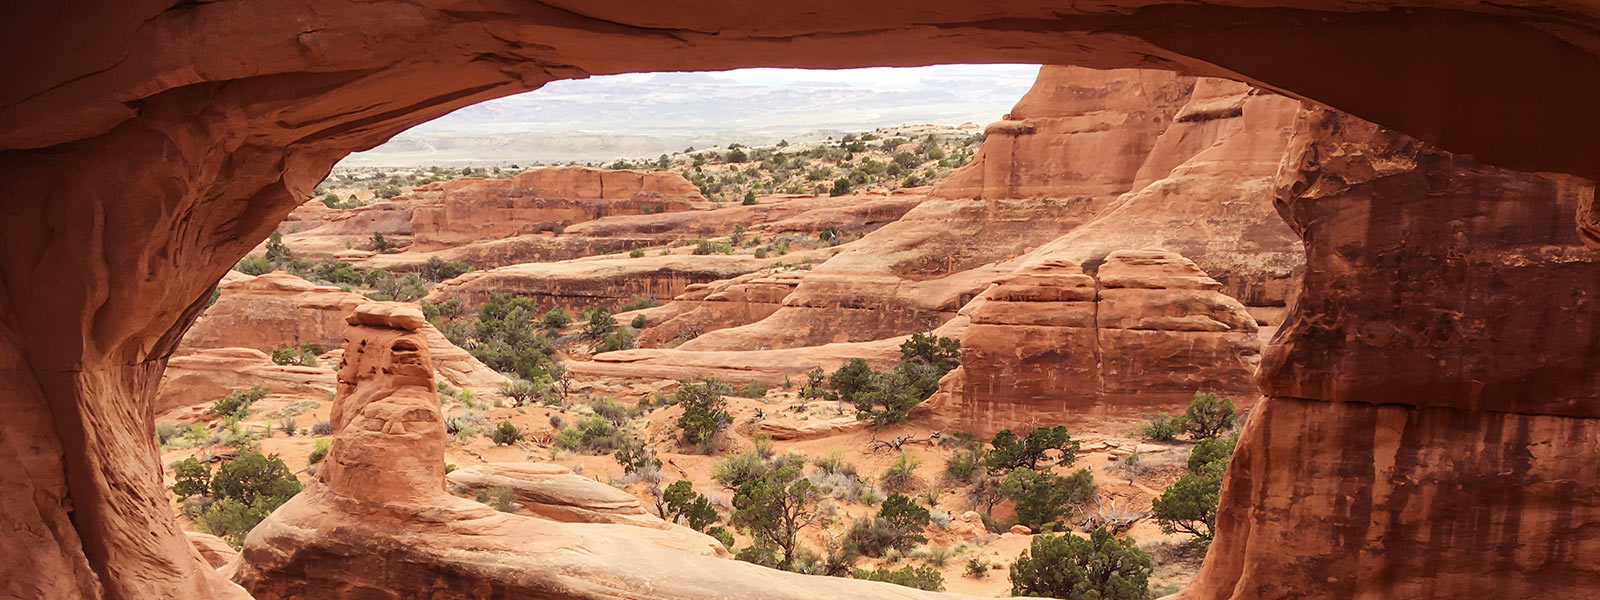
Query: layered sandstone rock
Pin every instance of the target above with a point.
(377, 522)
(554, 492)
(1088, 162)
(206, 375)
(469, 210)
(1429, 428)
(1049, 343)
(278, 310)
(704, 307)
(606, 281)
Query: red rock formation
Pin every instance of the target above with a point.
(148, 146)
(1051, 344)
(206, 375)
(1429, 426)
(704, 307)
(469, 210)
(278, 310)
(377, 521)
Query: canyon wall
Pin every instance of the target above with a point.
(1087, 162)
(1431, 406)
(1050, 344)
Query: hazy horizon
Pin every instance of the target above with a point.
(645, 114)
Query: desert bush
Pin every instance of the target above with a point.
(237, 403)
(247, 489)
(1066, 566)
(738, 468)
(705, 413)
(502, 498)
(322, 428)
(636, 253)
(254, 265)
(638, 302)
(520, 391)
(1043, 497)
(774, 508)
(555, 318)
(902, 475)
(638, 322)
(1208, 416)
(436, 269)
(977, 568)
(191, 478)
(287, 425)
(754, 389)
(635, 456)
(506, 434)
(319, 451)
(1012, 452)
(922, 578)
(1162, 428)
(835, 463)
(682, 504)
(964, 465)
(1189, 505)
(593, 434)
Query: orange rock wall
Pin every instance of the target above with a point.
(1430, 422)
(471, 210)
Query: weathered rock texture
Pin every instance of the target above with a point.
(377, 523)
(278, 310)
(206, 375)
(1112, 159)
(554, 492)
(469, 210)
(149, 145)
(1052, 344)
(704, 307)
(1434, 397)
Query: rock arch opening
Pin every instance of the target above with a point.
(151, 146)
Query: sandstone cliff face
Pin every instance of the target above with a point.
(376, 522)
(1051, 344)
(469, 210)
(1429, 425)
(1088, 162)
(704, 307)
(277, 310)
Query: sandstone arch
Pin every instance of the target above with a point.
(149, 144)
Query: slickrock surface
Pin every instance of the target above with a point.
(376, 521)
(278, 310)
(1430, 425)
(1051, 344)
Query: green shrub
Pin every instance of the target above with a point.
(502, 498)
(237, 403)
(521, 391)
(1190, 504)
(593, 434)
(635, 456)
(192, 478)
(922, 578)
(621, 339)
(636, 253)
(1066, 566)
(1162, 428)
(705, 413)
(963, 465)
(761, 252)
(754, 389)
(738, 468)
(254, 265)
(1043, 497)
(506, 434)
(322, 428)
(775, 507)
(638, 322)
(977, 568)
(436, 269)
(902, 475)
(638, 302)
(555, 318)
(1210, 451)
(685, 505)
(319, 451)
(247, 489)
(898, 525)
(1011, 452)
(1208, 416)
